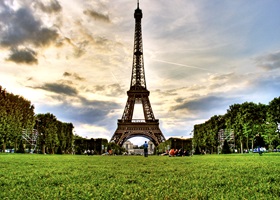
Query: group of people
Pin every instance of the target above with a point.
(89, 152)
(176, 152)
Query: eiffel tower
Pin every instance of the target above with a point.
(138, 94)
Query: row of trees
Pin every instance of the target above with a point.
(17, 117)
(248, 124)
(16, 114)
(54, 136)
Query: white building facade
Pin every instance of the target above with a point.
(131, 150)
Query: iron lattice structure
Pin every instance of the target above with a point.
(31, 137)
(138, 94)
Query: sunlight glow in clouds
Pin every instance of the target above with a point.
(74, 58)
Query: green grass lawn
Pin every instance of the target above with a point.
(248, 176)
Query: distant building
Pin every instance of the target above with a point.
(128, 146)
(133, 150)
(227, 135)
(151, 148)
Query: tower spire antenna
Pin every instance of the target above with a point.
(137, 3)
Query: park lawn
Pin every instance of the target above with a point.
(248, 176)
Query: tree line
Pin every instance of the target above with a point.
(245, 126)
(45, 131)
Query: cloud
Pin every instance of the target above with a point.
(97, 16)
(92, 131)
(172, 92)
(90, 114)
(109, 90)
(45, 36)
(222, 77)
(70, 104)
(79, 48)
(73, 75)
(269, 62)
(52, 7)
(21, 27)
(59, 88)
(264, 89)
(83, 110)
(27, 56)
(203, 104)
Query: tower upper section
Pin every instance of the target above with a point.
(138, 81)
(138, 13)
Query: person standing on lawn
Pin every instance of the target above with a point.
(145, 145)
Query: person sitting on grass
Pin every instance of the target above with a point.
(180, 152)
(171, 153)
(165, 154)
(187, 153)
(176, 152)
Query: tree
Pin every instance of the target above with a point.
(273, 122)
(16, 114)
(252, 118)
(54, 136)
(226, 149)
(116, 148)
(245, 120)
(232, 118)
(270, 134)
(69, 137)
(47, 130)
(274, 109)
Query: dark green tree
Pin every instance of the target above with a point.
(226, 148)
(47, 129)
(271, 132)
(115, 148)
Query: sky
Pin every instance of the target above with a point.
(73, 58)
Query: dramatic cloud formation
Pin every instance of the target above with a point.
(200, 57)
(21, 28)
